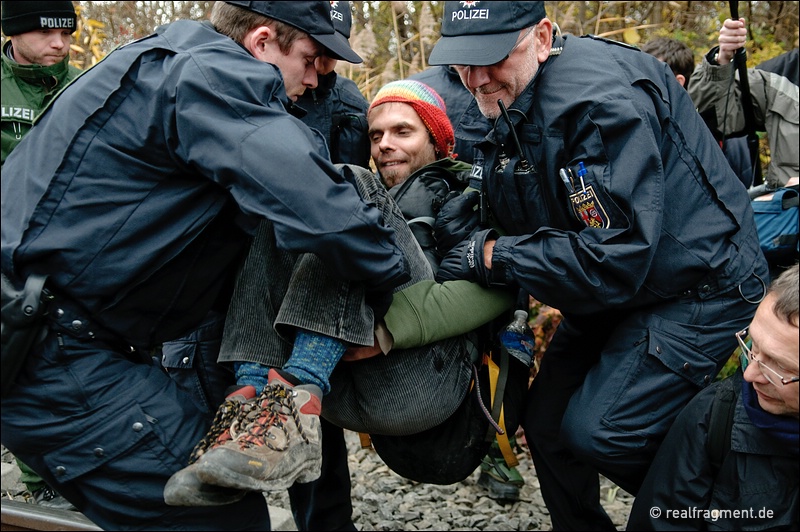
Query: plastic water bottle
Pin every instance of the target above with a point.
(518, 338)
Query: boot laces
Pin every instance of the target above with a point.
(227, 415)
(258, 424)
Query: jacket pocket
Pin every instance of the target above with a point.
(102, 443)
(668, 371)
(666, 343)
(191, 362)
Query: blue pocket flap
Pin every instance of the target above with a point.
(178, 354)
(102, 442)
(679, 355)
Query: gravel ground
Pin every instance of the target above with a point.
(383, 500)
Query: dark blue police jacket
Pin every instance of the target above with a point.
(139, 187)
(658, 210)
(338, 110)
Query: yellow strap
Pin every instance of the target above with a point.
(366, 441)
(505, 445)
(502, 439)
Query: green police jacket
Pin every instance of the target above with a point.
(26, 91)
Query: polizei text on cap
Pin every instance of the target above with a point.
(56, 22)
(463, 14)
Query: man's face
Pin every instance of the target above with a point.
(507, 79)
(297, 67)
(41, 47)
(775, 343)
(399, 142)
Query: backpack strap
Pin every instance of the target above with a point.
(498, 377)
(789, 200)
(720, 422)
(365, 440)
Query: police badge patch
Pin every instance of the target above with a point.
(588, 209)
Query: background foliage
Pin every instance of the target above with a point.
(395, 38)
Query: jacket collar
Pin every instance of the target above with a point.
(35, 74)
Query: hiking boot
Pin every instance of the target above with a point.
(499, 490)
(235, 408)
(274, 446)
(50, 498)
(501, 481)
(184, 488)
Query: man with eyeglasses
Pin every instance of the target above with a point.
(761, 470)
(604, 195)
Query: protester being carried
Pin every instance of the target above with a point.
(501, 481)
(427, 333)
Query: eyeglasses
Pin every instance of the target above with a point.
(747, 355)
(520, 41)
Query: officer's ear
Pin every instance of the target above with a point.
(261, 43)
(543, 34)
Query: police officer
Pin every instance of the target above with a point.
(35, 63)
(136, 194)
(335, 107)
(35, 66)
(615, 206)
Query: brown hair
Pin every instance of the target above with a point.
(677, 55)
(236, 22)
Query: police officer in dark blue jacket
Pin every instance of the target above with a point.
(335, 107)
(136, 195)
(613, 204)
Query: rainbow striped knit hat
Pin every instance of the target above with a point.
(429, 106)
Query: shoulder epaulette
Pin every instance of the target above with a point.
(611, 41)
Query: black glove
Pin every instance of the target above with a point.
(450, 266)
(456, 221)
(380, 303)
(465, 261)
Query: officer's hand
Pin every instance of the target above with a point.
(467, 261)
(450, 268)
(457, 219)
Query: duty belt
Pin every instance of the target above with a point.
(67, 317)
(702, 292)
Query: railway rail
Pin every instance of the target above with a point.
(18, 515)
